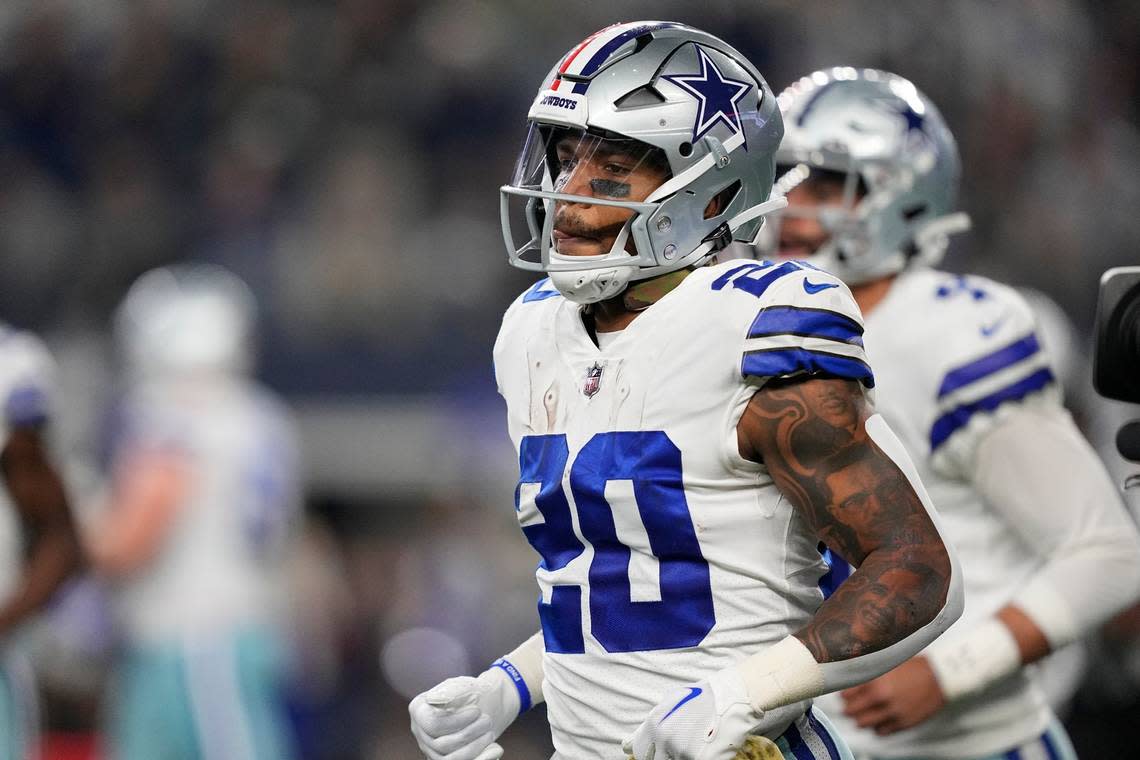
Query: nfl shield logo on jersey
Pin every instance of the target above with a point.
(593, 380)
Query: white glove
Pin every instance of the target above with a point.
(708, 720)
(461, 718)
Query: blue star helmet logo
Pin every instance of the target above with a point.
(915, 121)
(716, 95)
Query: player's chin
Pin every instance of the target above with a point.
(579, 246)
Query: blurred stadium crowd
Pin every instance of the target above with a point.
(344, 157)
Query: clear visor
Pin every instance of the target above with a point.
(574, 198)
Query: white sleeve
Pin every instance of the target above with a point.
(1039, 473)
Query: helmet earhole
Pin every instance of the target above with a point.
(685, 149)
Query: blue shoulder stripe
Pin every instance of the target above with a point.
(989, 364)
(784, 362)
(949, 423)
(538, 291)
(811, 323)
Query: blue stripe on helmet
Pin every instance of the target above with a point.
(784, 362)
(795, 320)
(989, 364)
(957, 418)
(811, 103)
(606, 50)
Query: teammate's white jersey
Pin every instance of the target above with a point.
(219, 565)
(665, 555)
(27, 392)
(952, 355)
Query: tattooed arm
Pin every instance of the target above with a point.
(856, 488)
(812, 436)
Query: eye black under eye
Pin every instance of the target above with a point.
(610, 188)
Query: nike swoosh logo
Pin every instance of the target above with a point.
(813, 288)
(990, 329)
(694, 692)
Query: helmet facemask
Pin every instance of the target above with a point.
(583, 200)
(844, 212)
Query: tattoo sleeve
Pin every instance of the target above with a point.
(811, 435)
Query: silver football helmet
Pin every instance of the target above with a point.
(657, 93)
(186, 319)
(899, 165)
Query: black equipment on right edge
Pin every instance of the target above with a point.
(1116, 350)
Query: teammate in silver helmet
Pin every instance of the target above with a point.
(687, 434)
(870, 171)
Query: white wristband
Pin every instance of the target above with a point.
(784, 673)
(968, 664)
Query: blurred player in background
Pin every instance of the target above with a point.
(870, 171)
(202, 505)
(39, 547)
(687, 434)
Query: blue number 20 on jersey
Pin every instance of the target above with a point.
(652, 463)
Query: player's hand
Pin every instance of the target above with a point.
(899, 699)
(708, 720)
(461, 718)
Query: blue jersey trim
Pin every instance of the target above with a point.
(538, 292)
(806, 322)
(825, 736)
(784, 362)
(989, 364)
(796, 744)
(760, 284)
(520, 683)
(1050, 746)
(837, 572)
(949, 423)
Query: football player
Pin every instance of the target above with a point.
(39, 547)
(870, 172)
(687, 435)
(202, 504)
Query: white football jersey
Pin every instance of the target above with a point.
(219, 566)
(952, 354)
(665, 555)
(27, 391)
